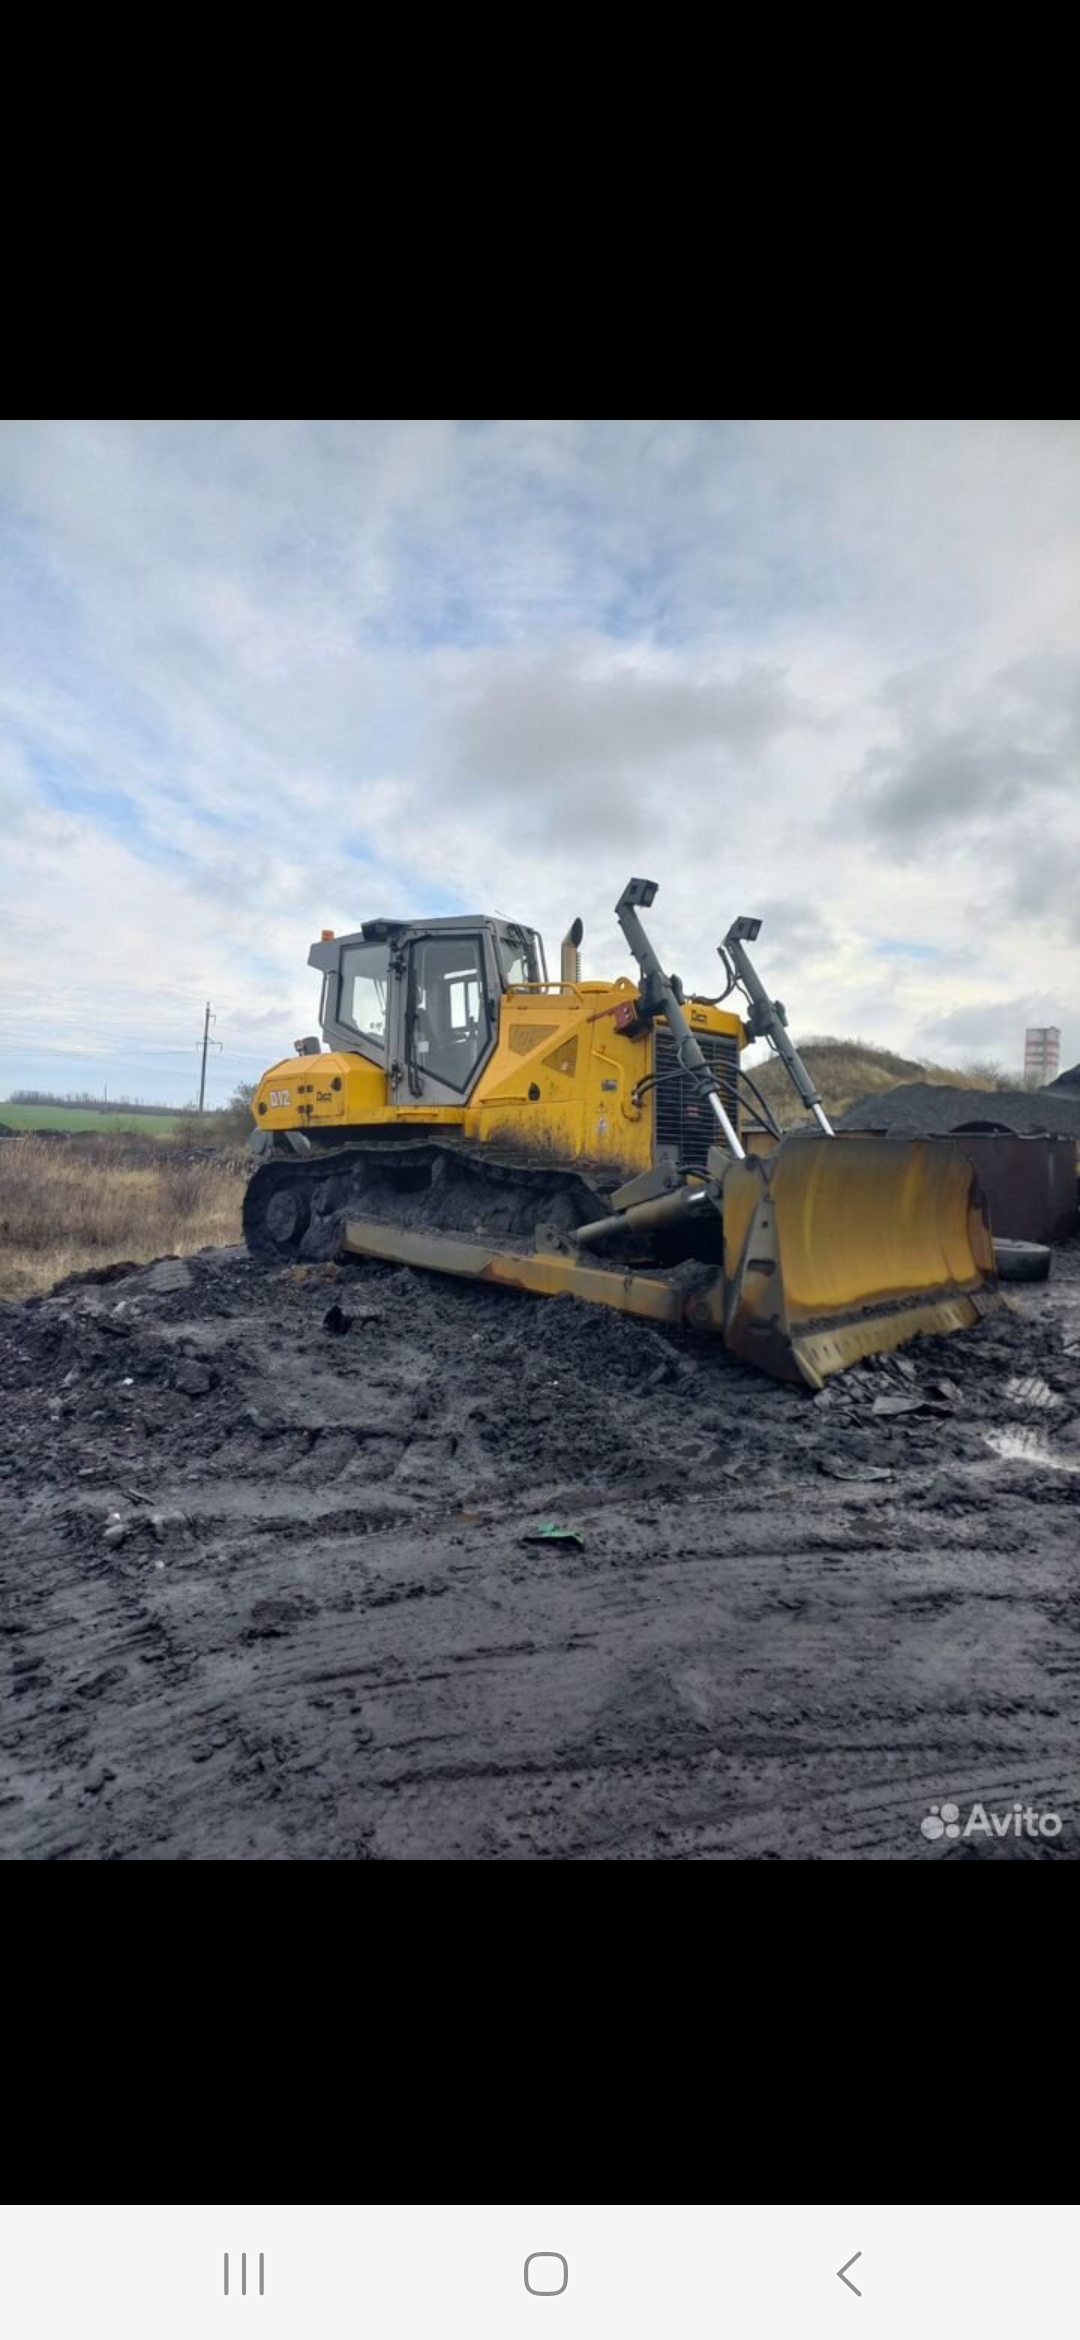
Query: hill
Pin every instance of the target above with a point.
(848, 1070)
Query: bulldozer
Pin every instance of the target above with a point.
(466, 1113)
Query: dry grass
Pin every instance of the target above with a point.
(63, 1209)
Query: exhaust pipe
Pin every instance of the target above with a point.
(570, 966)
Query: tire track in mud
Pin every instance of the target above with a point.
(794, 1625)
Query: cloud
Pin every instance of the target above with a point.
(993, 1027)
(949, 775)
(1043, 884)
(260, 677)
(599, 738)
(798, 926)
(981, 1026)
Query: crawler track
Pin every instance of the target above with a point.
(297, 1209)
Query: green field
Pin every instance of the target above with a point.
(78, 1117)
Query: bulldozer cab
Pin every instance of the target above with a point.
(423, 1001)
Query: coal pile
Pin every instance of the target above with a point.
(921, 1108)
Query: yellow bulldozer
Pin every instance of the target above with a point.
(471, 1115)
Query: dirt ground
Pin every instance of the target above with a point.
(265, 1593)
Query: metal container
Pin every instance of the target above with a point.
(1030, 1183)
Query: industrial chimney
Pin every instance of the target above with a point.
(1042, 1055)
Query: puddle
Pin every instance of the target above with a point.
(1028, 1446)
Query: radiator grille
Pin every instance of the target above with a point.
(523, 1038)
(564, 1058)
(685, 1125)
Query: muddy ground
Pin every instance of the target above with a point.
(266, 1594)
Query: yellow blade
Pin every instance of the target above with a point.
(836, 1248)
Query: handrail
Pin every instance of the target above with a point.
(553, 986)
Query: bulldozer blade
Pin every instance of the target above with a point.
(836, 1249)
(636, 1293)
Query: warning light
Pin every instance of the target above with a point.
(327, 934)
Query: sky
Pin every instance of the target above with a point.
(261, 678)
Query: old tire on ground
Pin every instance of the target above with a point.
(1021, 1263)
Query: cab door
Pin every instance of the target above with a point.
(447, 1015)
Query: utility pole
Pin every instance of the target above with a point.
(206, 1043)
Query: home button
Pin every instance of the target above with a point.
(546, 2274)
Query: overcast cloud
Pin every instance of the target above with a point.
(261, 678)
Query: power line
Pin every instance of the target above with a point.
(206, 1043)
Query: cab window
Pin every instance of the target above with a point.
(517, 958)
(362, 1000)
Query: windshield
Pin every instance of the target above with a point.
(362, 1001)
